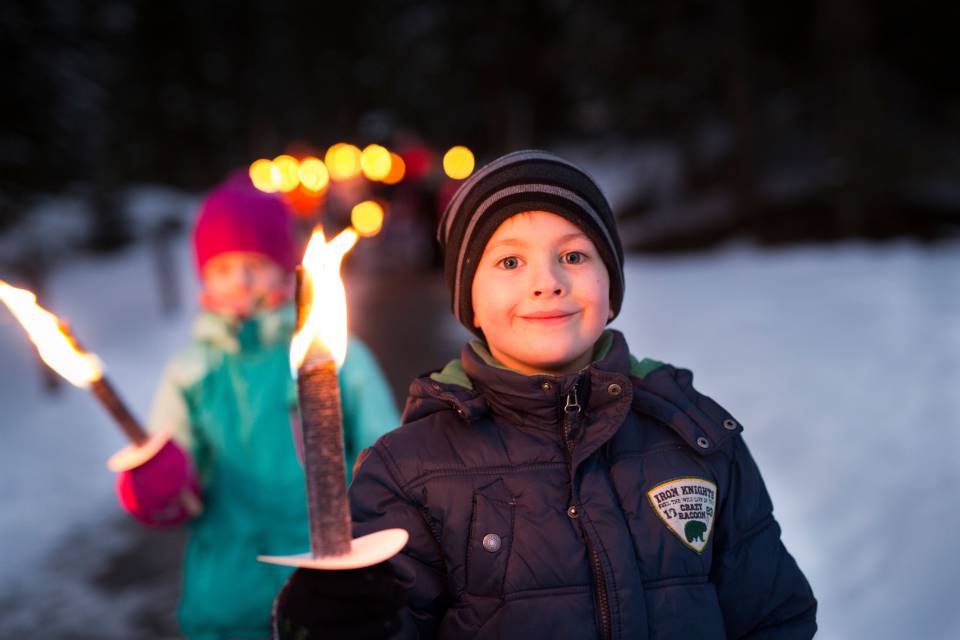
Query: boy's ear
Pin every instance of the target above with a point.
(610, 315)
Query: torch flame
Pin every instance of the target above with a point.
(326, 319)
(55, 346)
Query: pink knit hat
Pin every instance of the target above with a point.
(236, 216)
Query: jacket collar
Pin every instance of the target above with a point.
(230, 333)
(476, 385)
(537, 402)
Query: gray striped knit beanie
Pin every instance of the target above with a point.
(523, 181)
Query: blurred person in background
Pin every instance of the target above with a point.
(229, 402)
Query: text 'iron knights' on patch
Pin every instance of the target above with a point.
(686, 506)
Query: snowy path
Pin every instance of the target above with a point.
(843, 363)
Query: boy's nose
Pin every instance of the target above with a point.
(546, 283)
(539, 292)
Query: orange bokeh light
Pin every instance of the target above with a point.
(398, 169)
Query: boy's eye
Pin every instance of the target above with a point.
(510, 262)
(574, 257)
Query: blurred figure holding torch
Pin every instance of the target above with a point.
(228, 399)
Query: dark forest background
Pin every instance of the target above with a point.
(853, 105)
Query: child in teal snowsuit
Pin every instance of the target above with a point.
(228, 399)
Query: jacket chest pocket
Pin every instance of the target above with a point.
(491, 537)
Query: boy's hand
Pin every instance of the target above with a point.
(355, 604)
(154, 491)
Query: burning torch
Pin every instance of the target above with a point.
(59, 349)
(318, 348)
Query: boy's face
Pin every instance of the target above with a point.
(541, 294)
(241, 283)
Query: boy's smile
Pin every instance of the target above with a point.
(541, 294)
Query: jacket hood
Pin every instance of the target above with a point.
(476, 384)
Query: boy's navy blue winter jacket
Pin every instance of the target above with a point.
(617, 502)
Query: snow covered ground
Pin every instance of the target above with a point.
(842, 362)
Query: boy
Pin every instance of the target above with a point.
(554, 486)
(228, 399)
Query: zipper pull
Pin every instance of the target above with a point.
(571, 418)
(573, 404)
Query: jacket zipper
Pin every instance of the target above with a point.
(571, 424)
(571, 421)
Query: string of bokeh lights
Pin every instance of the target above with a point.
(287, 174)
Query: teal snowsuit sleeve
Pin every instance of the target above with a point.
(369, 409)
(170, 410)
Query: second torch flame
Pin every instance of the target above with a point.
(325, 324)
(57, 349)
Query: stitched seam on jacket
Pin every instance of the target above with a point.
(394, 472)
(513, 533)
(752, 532)
(675, 581)
(482, 471)
(468, 555)
(693, 396)
(718, 441)
(547, 592)
(493, 615)
(647, 452)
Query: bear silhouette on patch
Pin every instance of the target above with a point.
(695, 530)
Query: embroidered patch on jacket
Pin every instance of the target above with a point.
(686, 506)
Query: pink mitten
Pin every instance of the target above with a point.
(162, 491)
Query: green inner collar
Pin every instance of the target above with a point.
(453, 372)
